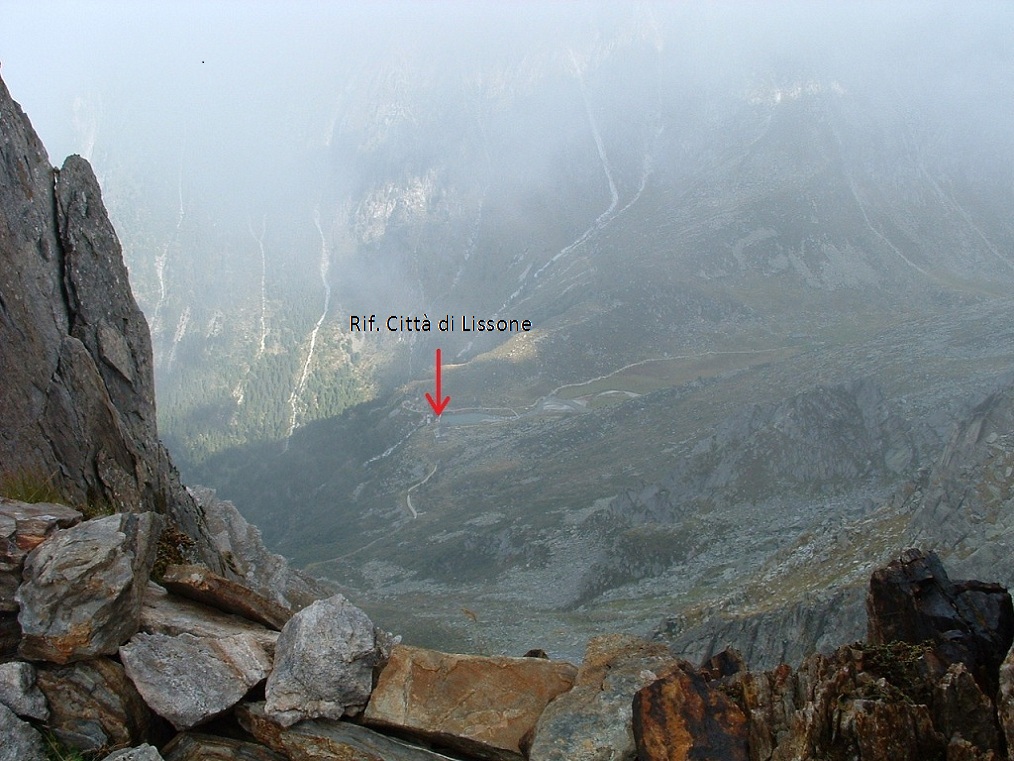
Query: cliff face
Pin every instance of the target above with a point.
(77, 395)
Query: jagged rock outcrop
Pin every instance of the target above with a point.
(825, 440)
(324, 662)
(785, 635)
(484, 706)
(75, 353)
(964, 507)
(680, 717)
(242, 550)
(83, 589)
(971, 622)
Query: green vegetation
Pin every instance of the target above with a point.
(29, 485)
(57, 751)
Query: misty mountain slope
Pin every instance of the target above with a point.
(719, 222)
(810, 594)
(600, 183)
(517, 508)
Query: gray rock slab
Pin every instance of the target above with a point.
(163, 613)
(324, 662)
(189, 680)
(84, 587)
(19, 692)
(19, 740)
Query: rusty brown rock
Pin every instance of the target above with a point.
(768, 700)
(93, 705)
(913, 600)
(891, 731)
(201, 584)
(960, 708)
(1005, 699)
(485, 706)
(680, 717)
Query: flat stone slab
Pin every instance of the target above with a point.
(193, 746)
(483, 706)
(199, 583)
(328, 739)
(189, 680)
(163, 613)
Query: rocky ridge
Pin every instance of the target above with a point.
(171, 678)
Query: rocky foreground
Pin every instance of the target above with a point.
(104, 660)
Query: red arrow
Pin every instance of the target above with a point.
(438, 407)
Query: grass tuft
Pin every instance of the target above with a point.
(30, 485)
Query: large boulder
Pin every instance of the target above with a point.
(593, 721)
(960, 708)
(84, 587)
(324, 662)
(971, 622)
(189, 680)
(483, 706)
(94, 705)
